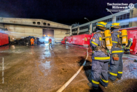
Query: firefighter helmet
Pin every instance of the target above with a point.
(115, 25)
(102, 24)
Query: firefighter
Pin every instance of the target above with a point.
(127, 48)
(35, 41)
(50, 42)
(100, 58)
(66, 40)
(32, 41)
(116, 63)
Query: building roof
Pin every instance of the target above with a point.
(33, 22)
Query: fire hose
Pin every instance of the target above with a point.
(74, 76)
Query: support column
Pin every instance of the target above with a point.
(133, 14)
(78, 31)
(130, 16)
(114, 19)
(90, 28)
(70, 31)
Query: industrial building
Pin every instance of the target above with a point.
(123, 17)
(21, 27)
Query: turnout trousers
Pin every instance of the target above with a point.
(116, 67)
(99, 69)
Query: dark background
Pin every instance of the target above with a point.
(63, 11)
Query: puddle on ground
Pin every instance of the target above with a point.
(4, 54)
(47, 53)
(42, 57)
(46, 65)
(45, 68)
(66, 46)
(4, 48)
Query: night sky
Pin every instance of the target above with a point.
(63, 11)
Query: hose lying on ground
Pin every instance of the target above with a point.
(71, 79)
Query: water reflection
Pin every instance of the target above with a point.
(66, 46)
(4, 48)
(47, 51)
(32, 50)
(46, 65)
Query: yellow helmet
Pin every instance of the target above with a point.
(115, 24)
(102, 24)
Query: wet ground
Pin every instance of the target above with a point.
(40, 69)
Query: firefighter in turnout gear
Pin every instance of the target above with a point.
(116, 63)
(50, 42)
(32, 41)
(127, 48)
(100, 58)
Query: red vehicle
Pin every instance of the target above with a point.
(4, 39)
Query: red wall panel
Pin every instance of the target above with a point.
(83, 39)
